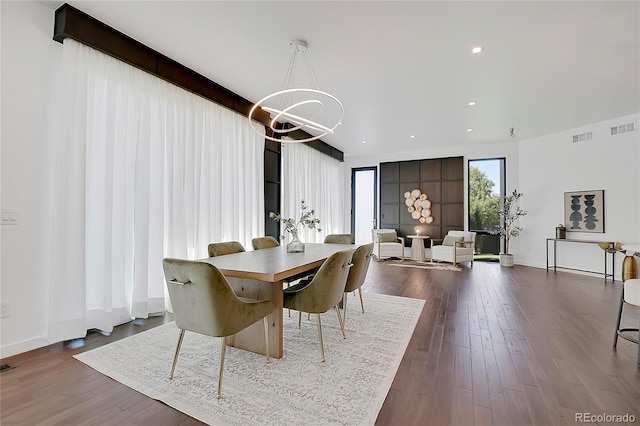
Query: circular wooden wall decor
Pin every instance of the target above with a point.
(418, 205)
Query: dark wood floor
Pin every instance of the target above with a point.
(493, 346)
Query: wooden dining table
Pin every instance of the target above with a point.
(260, 274)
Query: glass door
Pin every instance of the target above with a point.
(486, 189)
(363, 203)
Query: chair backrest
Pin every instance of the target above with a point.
(361, 260)
(466, 235)
(631, 292)
(327, 286)
(229, 247)
(264, 242)
(340, 239)
(385, 235)
(201, 297)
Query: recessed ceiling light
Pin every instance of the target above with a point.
(412, 136)
(469, 130)
(472, 103)
(364, 141)
(477, 49)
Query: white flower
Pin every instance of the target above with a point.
(307, 219)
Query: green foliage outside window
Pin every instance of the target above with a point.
(483, 203)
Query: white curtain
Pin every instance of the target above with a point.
(144, 170)
(319, 180)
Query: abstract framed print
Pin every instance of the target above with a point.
(584, 211)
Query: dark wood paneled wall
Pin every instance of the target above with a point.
(442, 179)
(77, 25)
(272, 175)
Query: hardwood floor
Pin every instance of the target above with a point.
(493, 346)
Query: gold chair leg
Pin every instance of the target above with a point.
(175, 357)
(361, 302)
(320, 337)
(266, 336)
(222, 351)
(344, 335)
(345, 296)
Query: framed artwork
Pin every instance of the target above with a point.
(584, 211)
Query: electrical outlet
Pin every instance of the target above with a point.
(4, 309)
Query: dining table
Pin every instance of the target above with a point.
(260, 274)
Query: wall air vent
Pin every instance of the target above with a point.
(583, 137)
(5, 367)
(623, 128)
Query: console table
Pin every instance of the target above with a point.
(564, 240)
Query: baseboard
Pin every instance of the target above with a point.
(21, 347)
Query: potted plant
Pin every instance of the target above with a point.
(510, 213)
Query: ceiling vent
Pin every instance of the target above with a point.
(623, 128)
(583, 137)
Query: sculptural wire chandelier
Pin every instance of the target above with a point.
(306, 108)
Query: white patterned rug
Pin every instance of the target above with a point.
(349, 388)
(423, 265)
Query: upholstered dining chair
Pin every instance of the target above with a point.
(228, 247)
(203, 302)
(264, 242)
(340, 239)
(358, 272)
(323, 292)
(631, 296)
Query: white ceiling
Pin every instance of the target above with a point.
(405, 67)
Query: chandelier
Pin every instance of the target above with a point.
(307, 108)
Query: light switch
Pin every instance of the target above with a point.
(10, 217)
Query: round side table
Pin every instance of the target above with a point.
(417, 247)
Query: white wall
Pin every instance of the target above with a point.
(31, 63)
(553, 164)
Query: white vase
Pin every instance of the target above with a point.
(506, 260)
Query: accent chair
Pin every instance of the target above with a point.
(457, 246)
(387, 244)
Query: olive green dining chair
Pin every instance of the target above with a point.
(203, 302)
(323, 292)
(340, 239)
(264, 242)
(357, 274)
(227, 247)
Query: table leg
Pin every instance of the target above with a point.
(546, 248)
(252, 338)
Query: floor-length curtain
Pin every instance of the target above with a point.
(319, 180)
(144, 170)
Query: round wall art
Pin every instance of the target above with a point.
(418, 205)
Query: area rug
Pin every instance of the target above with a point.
(349, 388)
(423, 265)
